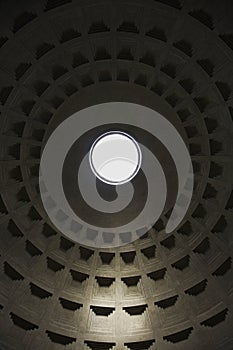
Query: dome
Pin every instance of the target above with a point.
(89, 284)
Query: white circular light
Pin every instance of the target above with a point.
(115, 158)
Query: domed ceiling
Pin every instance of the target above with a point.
(158, 290)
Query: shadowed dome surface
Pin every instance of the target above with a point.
(163, 291)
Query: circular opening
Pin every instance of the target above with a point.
(115, 158)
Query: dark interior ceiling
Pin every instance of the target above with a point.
(162, 291)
